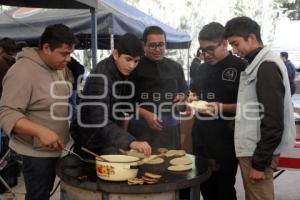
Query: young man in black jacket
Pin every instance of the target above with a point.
(158, 81)
(217, 82)
(97, 123)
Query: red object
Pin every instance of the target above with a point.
(293, 163)
(297, 145)
(291, 160)
(189, 112)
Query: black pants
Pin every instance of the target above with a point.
(220, 186)
(39, 176)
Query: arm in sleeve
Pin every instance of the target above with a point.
(270, 93)
(15, 97)
(182, 85)
(96, 114)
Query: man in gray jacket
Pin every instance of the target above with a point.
(264, 125)
(34, 108)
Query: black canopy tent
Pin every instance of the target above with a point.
(115, 17)
(68, 4)
(65, 4)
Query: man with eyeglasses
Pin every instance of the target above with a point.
(158, 81)
(217, 82)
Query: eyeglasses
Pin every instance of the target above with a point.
(159, 45)
(209, 50)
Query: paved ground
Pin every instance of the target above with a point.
(287, 187)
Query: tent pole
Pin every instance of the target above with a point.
(112, 45)
(94, 39)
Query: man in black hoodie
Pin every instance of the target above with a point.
(97, 125)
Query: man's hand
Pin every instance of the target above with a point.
(192, 97)
(256, 176)
(180, 102)
(213, 108)
(153, 121)
(45, 135)
(142, 147)
(180, 98)
(50, 139)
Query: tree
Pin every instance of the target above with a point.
(190, 15)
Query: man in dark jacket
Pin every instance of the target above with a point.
(158, 81)
(290, 69)
(99, 108)
(8, 50)
(217, 82)
(76, 72)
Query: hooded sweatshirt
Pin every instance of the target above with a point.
(34, 91)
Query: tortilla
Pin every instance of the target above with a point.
(180, 153)
(150, 182)
(162, 150)
(151, 175)
(180, 168)
(154, 161)
(172, 153)
(135, 181)
(198, 105)
(150, 179)
(135, 154)
(181, 161)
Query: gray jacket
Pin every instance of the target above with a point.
(247, 123)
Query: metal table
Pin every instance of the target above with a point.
(70, 169)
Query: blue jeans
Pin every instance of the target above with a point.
(39, 176)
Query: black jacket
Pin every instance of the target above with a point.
(77, 69)
(216, 83)
(158, 82)
(101, 112)
(193, 68)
